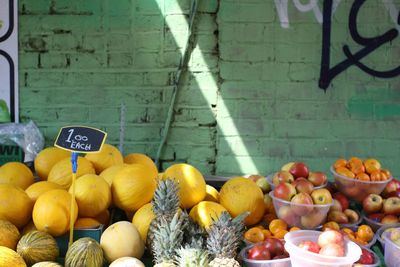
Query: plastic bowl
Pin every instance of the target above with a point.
(376, 225)
(392, 252)
(304, 216)
(269, 179)
(263, 263)
(382, 229)
(357, 189)
(301, 258)
(375, 264)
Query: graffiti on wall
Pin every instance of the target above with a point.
(369, 44)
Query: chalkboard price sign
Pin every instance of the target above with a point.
(80, 139)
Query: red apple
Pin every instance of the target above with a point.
(288, 215)
(274, 246)
(330, 237)
(303, 185)
(392, 186)
(366, 257)
(287, 166)
(376, 217)
(299, 169)
(285, 191)
(394, 194)
(310, 246)
(391, 206)
(317, 178)
(389, 219)
(258, 252)
(321, 196)
(302, 198)
(334, 250)
(373, 203)
(344, 202)
(282, 177)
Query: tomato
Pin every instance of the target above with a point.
(258, 252)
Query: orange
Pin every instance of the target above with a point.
(354, 160)
(376, 176)
(294, 228)
(345, 172)
(266, 233)
(254, 235)
(365, 233)
(331, 225)
(363, 176)
(340, 163)
(386, 173)
(280, 234)
(356, 167)
(348, 232)
(372, 165)
(276, 225)
(360, 241)
(269, 217)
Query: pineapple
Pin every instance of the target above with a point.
(192, 257)
(194, 235)
(165, 204)
(224, 238)
(168, 237)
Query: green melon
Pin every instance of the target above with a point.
(84, 252)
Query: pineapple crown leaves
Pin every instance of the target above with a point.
(168, 237)
(166, 197)
(194, 234)
(225, 234)
(192, 257)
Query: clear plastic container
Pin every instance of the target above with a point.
(376, 225)
(392, 252)
(303, 258)
(269, 179)
(311, 216)
(357, 189)
(382, 229)
(375, 264)
(263, 263)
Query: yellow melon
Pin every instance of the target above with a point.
(103, 217)
(16, 173)
(86, 223)
(15, 205)
(142, 219)
(192, 186)
(206, 212)
(121, 239)
(51, 212)
(109, 173)
(108, 155)
(138, 158)
(9, 257)
(132, 187)
(239, 195)
(36, 189)
(47, 158)
(9, 234)
(212, 194)
(61, 173)
(92, 194)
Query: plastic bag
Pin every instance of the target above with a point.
(25, 135)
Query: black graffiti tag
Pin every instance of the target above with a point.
(327, 74)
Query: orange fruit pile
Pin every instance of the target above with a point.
(362, 236)
(276, 229)
(365, 170)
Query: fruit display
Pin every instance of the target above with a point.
(298, 174)
(277, 229)
(269, 249)
(306, 211)
(357, 178)
(362, 234)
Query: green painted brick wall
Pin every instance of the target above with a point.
(249, 101)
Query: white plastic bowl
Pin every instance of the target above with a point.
(263, 263)
(392, 252)
(303, 258)
(382, 229)
(269, 180)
